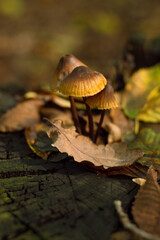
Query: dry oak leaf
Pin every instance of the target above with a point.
(23, 115)
(146, 208)
(134, 170)
(82, 149)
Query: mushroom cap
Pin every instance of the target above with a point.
(104, 99)
(65, 66)
(82, 82)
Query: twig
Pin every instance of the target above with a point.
(130, 226)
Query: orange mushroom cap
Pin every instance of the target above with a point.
(82, 82)
(65, 66)
(104, 99)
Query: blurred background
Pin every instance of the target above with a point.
(34, 34)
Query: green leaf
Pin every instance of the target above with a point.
(151, 110)
(137, 90)
(148, 141)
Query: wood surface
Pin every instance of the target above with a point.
(55, 200)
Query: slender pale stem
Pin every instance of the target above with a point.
(90, 119)
(100, 124)
(75, 115)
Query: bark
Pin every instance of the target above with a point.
(55, 200)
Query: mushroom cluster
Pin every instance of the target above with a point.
(75, 79)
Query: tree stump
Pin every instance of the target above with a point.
(55, 200)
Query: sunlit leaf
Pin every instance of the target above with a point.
(139, 181)
(82, 148)
(138, 88)
(12, 8)
(151, 110)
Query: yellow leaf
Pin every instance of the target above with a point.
(140, 85)
(151, 110)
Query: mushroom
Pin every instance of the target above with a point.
(103, 100)
(83, 82)
(65, 66)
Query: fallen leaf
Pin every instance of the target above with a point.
(55, 114)
(136, 91)
(58, 99)
(134, 170)
(150, 160)
(23, 115)
(151, 110)
(154, 126)
(139, 181)
(41, 95)
(148, 141)
(64, 102)
(146, 208)
(82, 149)
(114, 132)
(126, 125)
(40, 143)
(127, 224)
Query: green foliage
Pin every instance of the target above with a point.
(100, 22)
(137, 90)
(12, 7)
(148, 141)
(151, 110)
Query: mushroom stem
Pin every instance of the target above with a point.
(75, 115)
(90, 119)
(99, 125)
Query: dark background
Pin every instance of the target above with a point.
(34, 34)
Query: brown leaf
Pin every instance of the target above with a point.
(114, 132)
(82, 149)
(23, 115)
(125, 124)
(134, 170)
(146, 208)
(54, 114)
